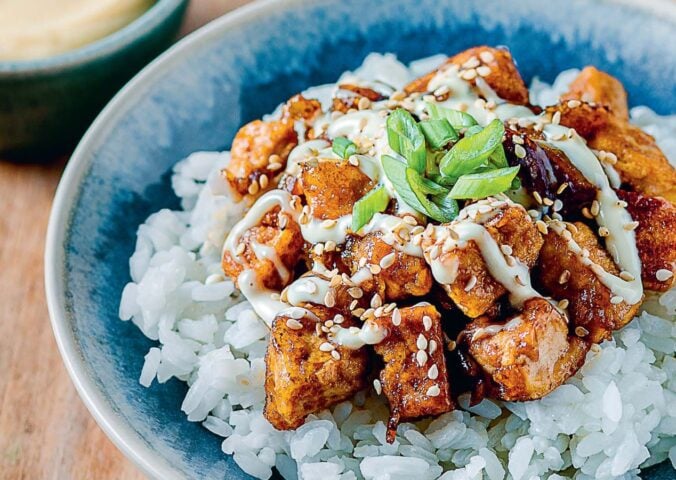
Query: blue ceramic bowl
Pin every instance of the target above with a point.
(197, 95)
(48, 103)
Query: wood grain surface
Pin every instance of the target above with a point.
(45, 430)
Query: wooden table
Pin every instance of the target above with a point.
(45, 430)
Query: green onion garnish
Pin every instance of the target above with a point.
(366, 207)
(456, 118)
(438, 132)
(343, 147)
(470, 153)
(420, 188)
(396, 173)
(481, 185)
(406, 138)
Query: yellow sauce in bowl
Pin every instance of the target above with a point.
(31, 29)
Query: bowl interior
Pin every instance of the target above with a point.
(197, 96)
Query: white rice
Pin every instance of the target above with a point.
(616, 415)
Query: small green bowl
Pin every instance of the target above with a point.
(47, 104)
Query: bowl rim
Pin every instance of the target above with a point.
(116, 41)
(116, 428)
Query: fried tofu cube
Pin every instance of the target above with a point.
(332, 187)
(595, 86)
(527, 356)
(271, 249)
(414, 379)
(398, 276)
(260, 148)
(472, 288)
(639, 161)
(655, 238)
(301, 377)
(501, 73)
(564, 274)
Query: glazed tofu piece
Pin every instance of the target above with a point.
(349, 97)
(397, 275)
(495, 65)
(564, 274)
(414, 379)
(595, 86)
(303, 376)
(332, 187)
(472, 288)
(528, 355)
(271, 249)
(655, 238)
(636, 157)
(260, 148)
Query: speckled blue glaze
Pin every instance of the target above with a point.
(195, 98)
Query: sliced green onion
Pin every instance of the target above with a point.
(456, 118)
(406, 138)
(420, 189)
(498, 158)
(432, 188)
(395, 171)
(343, 147)
(481, 185)
(470, 153)
(438, 132)
(366, 207)
(473, 130)
(447, 205)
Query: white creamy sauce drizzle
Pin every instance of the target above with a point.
(369, 125)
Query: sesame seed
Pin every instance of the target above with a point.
(533, 213)
(330, 246)
(631, 226)
(663, 274)
(326, 347)
(432, 346)
(240, 249)
(358, 312)
(537, 197)
(556, 118)
(433, 372)
(506, 249)
(564, 277)
(563, 304)
(396, 317)
(603, 232)
(330, 298)
(468, 74)
(427, 322)
(328, 223)
(581, 331)
(297, 313)
(338, 319)
(615, 299)
(375, 269)
(421, 357)
(519, 280)
(486, 56)
(470, 283)
(363, 103)
(586, 213)
(483, 71)
(548, 201)
(353, 303)
(354, 161)
(253, 188)
(511, 261)
(421, 342)
(517, 140)
(595, 208)
(355, 292)
(542, 227)
(335, 281)
(318, 249)
(274, 158)
(335, 354)
(451, 345)
(387, 261)
(377, 386)
(624, 275)
(318, 328)
(376, 301)
(558, 205)
(410, 220)
(472, 62)
(433, 391)
(519, 151)
(294, 324)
